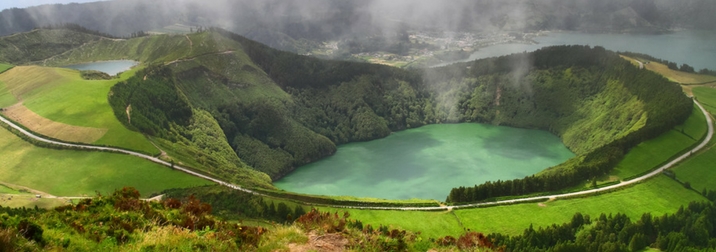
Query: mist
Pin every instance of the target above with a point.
(322, 20)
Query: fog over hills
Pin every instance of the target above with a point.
(281, 23)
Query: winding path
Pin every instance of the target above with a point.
(653, 173)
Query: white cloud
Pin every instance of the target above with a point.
(6, 4)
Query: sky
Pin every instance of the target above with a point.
(6, 4)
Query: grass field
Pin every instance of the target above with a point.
(657, 196)
(29, 201)
(707, 97)
(649, 154)
(429, 224)
(56, 130)
(674, 75)
(76, 173)
(4, 67)
(7, 190)
(62, 96)
(700, 170)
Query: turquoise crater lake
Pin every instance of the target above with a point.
(427, 162)
(112, 67)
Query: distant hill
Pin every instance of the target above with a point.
(293, 25)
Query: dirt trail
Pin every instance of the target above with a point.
(192, 58)
(325, 242)
(129, 110)
(191, 44)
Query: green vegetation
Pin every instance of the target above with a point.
(62, 96)
(277, 110)
(321, 103)
(41, 44)
(123, 222)
(707, 97)
(684, 75)
(74, 173)
(4, 67)
(649, 154)
(94, 75)
(658, 196)
(698, 171)
(686, 230)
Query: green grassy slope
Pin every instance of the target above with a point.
(151, 49)
(75, 173)
(657, 196)
(4, 67)
(62, 96)
(651, 153)
(707, 97)
(699, 170)
(41, 44)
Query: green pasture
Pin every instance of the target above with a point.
(6, 98)
(707, 97)
(71, 100)
(429, 224)
(76, 173)
(649, 154)
(657, 196)
(4, 67)
(8, 190)
(27, 200)
(699, 170)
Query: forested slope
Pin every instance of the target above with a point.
(274, 110)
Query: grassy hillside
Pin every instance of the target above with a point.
(699, 170)
(41, 44)
(76, 173)
(4, 67)
(649, 154)
(62, 96)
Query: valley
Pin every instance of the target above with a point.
(393, 134)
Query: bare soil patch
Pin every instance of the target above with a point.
(325, 242)
(47, 127)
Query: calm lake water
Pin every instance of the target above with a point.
(429, 161)
(112, 67)
(696, 48)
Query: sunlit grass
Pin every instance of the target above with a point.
(62, 96)
(673, 75)
(657, 196)
(648, 155)
(76, 173)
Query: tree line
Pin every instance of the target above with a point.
(691, 228)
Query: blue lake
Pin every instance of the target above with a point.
(112, 67)
(696, 48)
